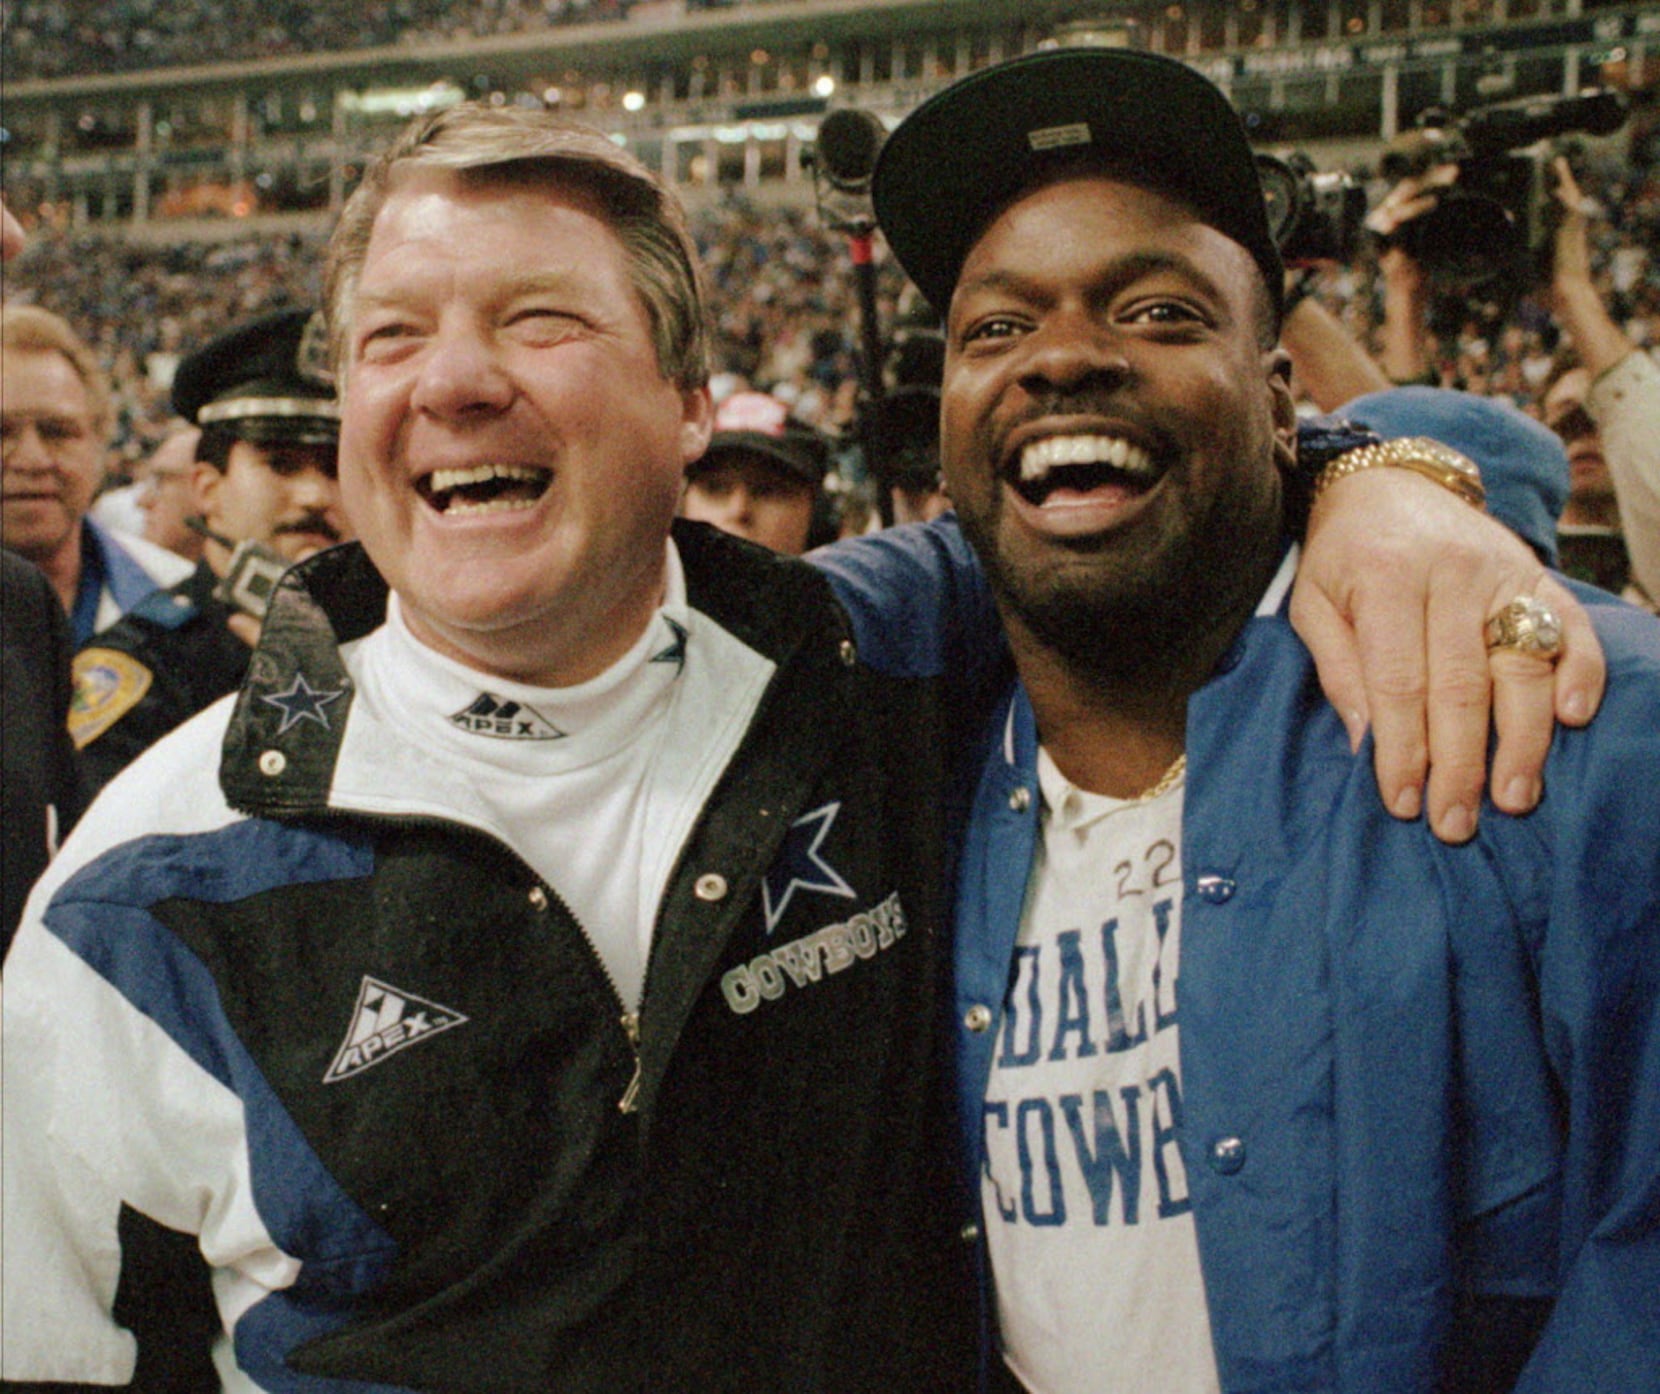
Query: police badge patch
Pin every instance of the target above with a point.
(108, 685)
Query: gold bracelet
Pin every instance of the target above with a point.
(1419, 454)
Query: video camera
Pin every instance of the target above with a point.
(1497, 220)
(1313, 215)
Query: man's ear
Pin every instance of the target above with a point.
(697, 424)
(205, 483)
(1283, 406)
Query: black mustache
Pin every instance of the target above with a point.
(1088, 398)
(311, 523)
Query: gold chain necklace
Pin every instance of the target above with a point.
(1167, 781)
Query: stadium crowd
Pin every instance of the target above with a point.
(63, 38)
(785, 314)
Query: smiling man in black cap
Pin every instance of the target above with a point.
(1260, 1087)
(266, 496)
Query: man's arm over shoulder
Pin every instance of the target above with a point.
(918, 600)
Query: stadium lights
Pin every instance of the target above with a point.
(402, 101)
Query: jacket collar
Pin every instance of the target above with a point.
(284, 736)
(284, 742)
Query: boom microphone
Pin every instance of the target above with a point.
(849, 140)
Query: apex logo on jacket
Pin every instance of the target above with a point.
(385, 1021)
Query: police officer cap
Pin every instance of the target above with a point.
(266, 381)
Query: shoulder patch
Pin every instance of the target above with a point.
(108, 685)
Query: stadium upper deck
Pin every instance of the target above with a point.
(713, 94)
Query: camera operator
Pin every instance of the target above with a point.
(1471, 217)
(1404, 341)
(266, 496)
(1607, 407)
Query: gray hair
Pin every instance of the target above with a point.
(507, 144)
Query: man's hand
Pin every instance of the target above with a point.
(1397, 581)
(246, 627)
(1571, 249)
(1411, 198)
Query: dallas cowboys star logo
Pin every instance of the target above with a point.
(676, 652)
(799, 865)
(303, 702)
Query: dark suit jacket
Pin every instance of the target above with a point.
(40, 784)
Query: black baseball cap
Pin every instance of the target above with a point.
(757, 423)
(959, 159)
(265, 381)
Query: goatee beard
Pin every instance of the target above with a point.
(1141, 637)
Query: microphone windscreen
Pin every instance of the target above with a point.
(849, 141)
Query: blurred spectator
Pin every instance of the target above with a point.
(53, 421)
(1523, 466)
(38, 771)
(907, 419)
(1607, 405)
(40, 779)
(909, 431)
(1591, 502)
(762, 477)
(168, 493)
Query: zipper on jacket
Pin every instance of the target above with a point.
(631, 1028)
(630, 1020)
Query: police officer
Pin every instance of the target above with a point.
(266, 496)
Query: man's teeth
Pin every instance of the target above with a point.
(486, 488)
(501, 505)
(1041, 456)
(444, 480)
